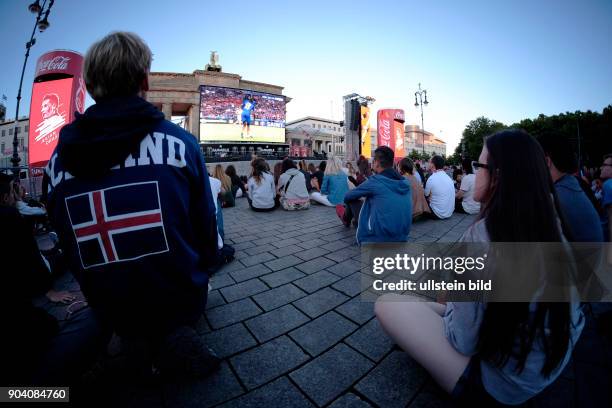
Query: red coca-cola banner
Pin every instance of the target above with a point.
(59, 62)
(54, 102)
(390, 129)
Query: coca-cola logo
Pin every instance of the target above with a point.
(57, 63)
(386, 129)
(399, 115)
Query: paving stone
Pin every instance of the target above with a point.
(244, 245)
(221, 281)
(232, 313)
(322, 333)
(242, 290)
(310, 244)
(286, 241)
(215, 389)
(230, 340)
(230, 267)
(335, 245)
(255, 259)
(371, 340)
(330, 374)
(280, 296)
(281, 277)
(214, 299)
(315, 265)
(316, 281)
(258, 249)
(357, 310)
(343, 254)
(312, 253)
(394, 382)
(349, 400)
(202, 326)
(276, 322)
(345, 268)
(268, 361)
(284, 251)
(280, 393)
(320, 302)
(283, 263)
(251, 272)
(350, 286)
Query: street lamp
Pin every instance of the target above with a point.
(42, 24)
(420, 99)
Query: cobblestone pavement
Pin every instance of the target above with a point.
(287, 320)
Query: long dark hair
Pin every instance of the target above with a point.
(259, 167)
(521, 206)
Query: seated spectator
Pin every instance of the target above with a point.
(364, 171)
(387, 206)
(311, 169)
(317, 176)
(419, 203)
(292, 188)
(606, 200)
(261, 188)
(278, 170)
(238, 187)
(226, 195)
(335, 185)
(149, 283)
(439, 190)
(472, 349)
(464, 197)
(420, 176)
(578, 211)
(23, 208)
(457, 176)
(37, 349)
(307, 176)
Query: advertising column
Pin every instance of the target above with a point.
(58, 92)
(390, 123)
(366, 139)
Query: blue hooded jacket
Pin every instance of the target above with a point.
(131, 201)
(386, 215)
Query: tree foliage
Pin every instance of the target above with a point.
(592, 129)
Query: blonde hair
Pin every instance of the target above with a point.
(116, 65)
(334, 165)
(226, 181)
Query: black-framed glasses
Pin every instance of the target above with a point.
(477, 165)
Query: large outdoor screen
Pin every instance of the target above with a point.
(229, 114)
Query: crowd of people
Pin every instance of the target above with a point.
(144, 270)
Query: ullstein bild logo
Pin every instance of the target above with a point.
(56, 63)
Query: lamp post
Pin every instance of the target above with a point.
(42, 22)
(420, 99)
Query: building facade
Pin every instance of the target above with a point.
(321, 136)
(413, 140)
(6, 141)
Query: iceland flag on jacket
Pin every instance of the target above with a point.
(130, 198)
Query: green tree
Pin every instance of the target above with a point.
(474, 134)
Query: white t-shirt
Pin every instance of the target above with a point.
(215, 188)
(441, 192)
(467, 186)
(262, 195)
(416, 174)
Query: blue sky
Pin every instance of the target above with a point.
(504, 60)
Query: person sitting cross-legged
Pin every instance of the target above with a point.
(385, 215)
(440, 191)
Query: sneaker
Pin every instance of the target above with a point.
(340, 210)
(183, 353)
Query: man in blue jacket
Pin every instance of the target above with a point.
(386, 214)
(131, 201)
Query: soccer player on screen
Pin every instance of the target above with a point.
(248, 106)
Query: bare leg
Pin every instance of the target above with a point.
(418, 329)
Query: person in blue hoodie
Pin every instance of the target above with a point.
(131, 201)
(386, 213)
